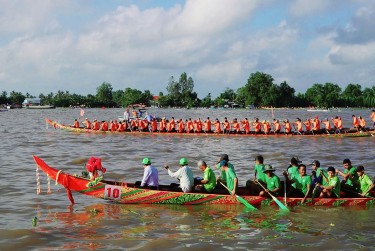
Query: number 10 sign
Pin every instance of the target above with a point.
(112, 192)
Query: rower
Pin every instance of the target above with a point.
(372, 116)
(355, 122)
(180, 126)
(337, 123)
(327, 125)
(236, 126)
(298, 123)
(198, 126)
(315, 164)
(266, 127)
(222, 176)
(316, 125)
(302, 184)
(362, 123)
(133, 124)
(259, 176)
(366, 184)
(257, 126)
(226, 126)
(154, 125)
(189, 126)
(272, 181)
(287, 127)
(150, 175)
(104, 126)
(94, 165)
(173, 125)
(350, 177)
(208, 183)
(121, 127)
(332, 189)
(231, 178)
(95, 125)
(277, 126)
(76, 124)
(162, 125)
(246, 126)
(217, 125)
(307, 124)
(87, 123)
(184, 174)
(207, 125)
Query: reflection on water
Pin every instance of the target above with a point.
(159, 227)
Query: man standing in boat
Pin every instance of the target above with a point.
(231, 177)
(150, 176)
(223, 175)
(184, 175)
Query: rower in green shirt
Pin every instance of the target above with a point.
(350, 176)
(302, 184)
(332, 189)
(272, 181)
(319, 171)
(232, 180)
(208, 182)
(366, 184)
(223, 176)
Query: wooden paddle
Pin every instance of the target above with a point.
(240, 199)
(281, 205)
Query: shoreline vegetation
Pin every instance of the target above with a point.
(260, 91)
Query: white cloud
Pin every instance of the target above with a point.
(301, 8)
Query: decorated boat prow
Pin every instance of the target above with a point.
(128, 193)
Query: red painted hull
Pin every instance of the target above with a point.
(126, 193)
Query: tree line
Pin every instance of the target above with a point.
(259, 91)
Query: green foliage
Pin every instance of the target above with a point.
(207, 101)
(180, 94)
(327, 95)
(16, 97)
(104, 94)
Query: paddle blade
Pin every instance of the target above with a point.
(281, 205)
(247, 204)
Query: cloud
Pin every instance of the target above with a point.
(302, 8)
(360, 30)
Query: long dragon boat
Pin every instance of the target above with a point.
(128, 193)
(346, 133)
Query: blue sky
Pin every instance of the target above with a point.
(75, 45)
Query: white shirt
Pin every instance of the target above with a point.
(126, 116)
(150, 177)
(186, 177)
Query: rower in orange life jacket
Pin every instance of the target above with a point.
(134, 124)
(287, 126)
(162, 125)
(266, 127)
(277, 126)
(154, 125)
(217, 126)
(298, 123)
(121, 127)
(95, 125)
(104, 126)
(180, 126)
(173, 124)
(307, 124)
(257, 126)
(246, 126)
(198, 125)
(362, 123)
(355, 122)
(207, 125)
(142, 125)
(316, 127)
(113, 126)
(236, 126)
(168, 127)
(76, 124)
(327, 125)
(189, 126)
(87, 123)
(226, 126)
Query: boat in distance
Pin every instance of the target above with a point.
(345, 133)
(129, 193)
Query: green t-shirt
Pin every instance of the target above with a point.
(365, 182)
(209, 175)
(353, 172)
(272, 182)
(302, 182)
(335, 182)
(293, 174)
(318, 174)
(259, 168)
(223, 174)
(230, 176)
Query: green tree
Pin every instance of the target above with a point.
(256, 89)
(104, 94)
(285, 95)
(16, 97)
(207, 101)
(4, 98)
(352, 95)
(118, 97)
(326, 95)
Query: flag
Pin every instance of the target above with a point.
(82, 112)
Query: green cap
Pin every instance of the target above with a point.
(183, 162)
(146, 161)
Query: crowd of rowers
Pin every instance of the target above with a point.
(245, 126)
(324, 183)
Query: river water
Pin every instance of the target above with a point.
(92, 224)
